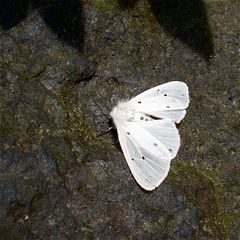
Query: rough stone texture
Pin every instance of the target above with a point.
(58, 179)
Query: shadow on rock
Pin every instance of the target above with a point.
(12, 12)
(65, 18)
(127, 3)
(186, 20)
(183, 19)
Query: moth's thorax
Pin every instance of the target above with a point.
(124, 111)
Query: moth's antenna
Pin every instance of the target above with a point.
(104, 103)
(105, 115)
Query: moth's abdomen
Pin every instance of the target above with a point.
(124, 112)
(137, 117)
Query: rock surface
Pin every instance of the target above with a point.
(58, 178)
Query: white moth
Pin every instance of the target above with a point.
(147, 132)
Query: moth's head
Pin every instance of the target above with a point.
(122, 112)
(116, 113)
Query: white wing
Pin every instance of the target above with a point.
(148, 147)
(167, 101)
(166, 132)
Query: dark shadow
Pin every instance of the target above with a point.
(124, 4)
(12, 12)
(63, 17)
(183, 19)
(187, 21)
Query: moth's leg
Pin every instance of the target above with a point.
(107, 131)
